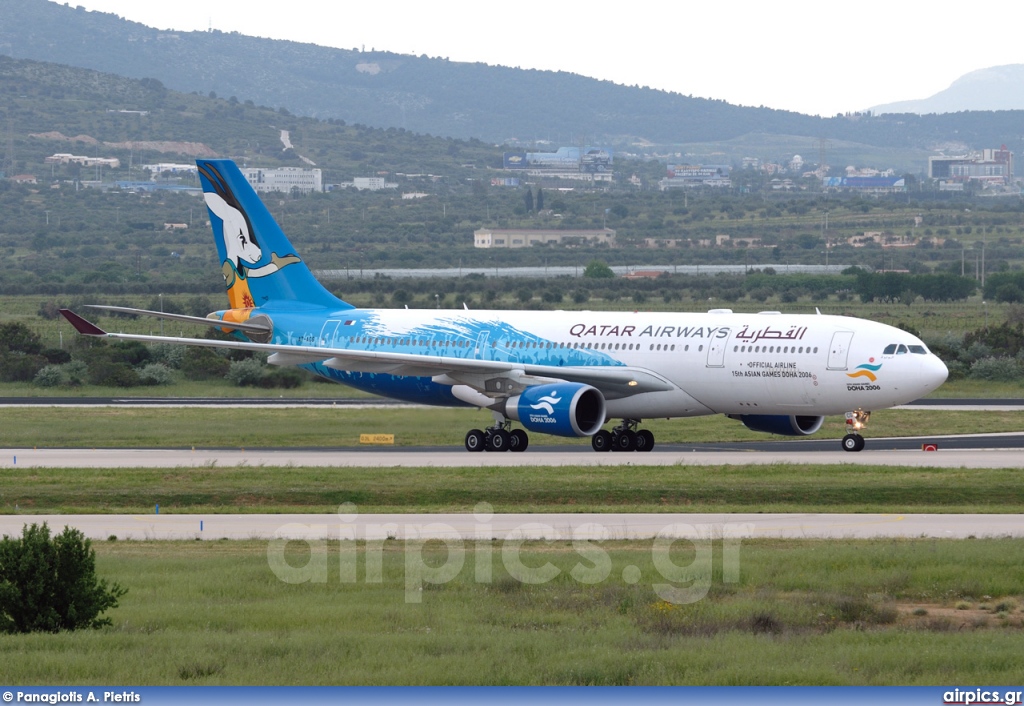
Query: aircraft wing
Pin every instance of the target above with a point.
(614, 382)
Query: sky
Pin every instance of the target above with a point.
(813, 57)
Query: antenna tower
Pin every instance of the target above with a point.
(7, 167)
(823, 145)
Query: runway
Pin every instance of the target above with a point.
(484, 526)
(969, 451)
(961, 451)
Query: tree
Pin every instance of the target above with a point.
(528, 200)
(598, 270)
(540, 200)
(50, 584)
(19, 338)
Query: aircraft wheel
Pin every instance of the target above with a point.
(853, 442)
(499, 440)
(601, 441)
(518, 440)
(475, 440)
(624, 441)
(644, 440)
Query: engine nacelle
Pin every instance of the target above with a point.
(561, 409)
(795, 425)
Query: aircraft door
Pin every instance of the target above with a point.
(327, 333)
(839, 350)
(716, 352)
(481, 344)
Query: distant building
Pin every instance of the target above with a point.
(522, 238)
(866, 184)
(143, 186)
(693, 175)
(989, 166)
(588, 164)
(372, 184)
(284, 179)
(65, 158)
(164, 167)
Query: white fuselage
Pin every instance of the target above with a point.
(716, 362)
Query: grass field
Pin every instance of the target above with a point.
(801, 612)
(757, 488)
(331, 427)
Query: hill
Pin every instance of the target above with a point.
(994, 88)
(58, 237)
(439, 97)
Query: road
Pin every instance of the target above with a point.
(554, 526)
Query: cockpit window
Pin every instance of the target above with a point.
(901, 349)
(919, 350)
(889, 349)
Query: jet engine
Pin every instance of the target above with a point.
(795, 425)
(561, 409)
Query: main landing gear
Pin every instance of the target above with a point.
(855, 421)
(500, 437)
(624, 437)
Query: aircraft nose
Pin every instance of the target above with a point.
(934, 372)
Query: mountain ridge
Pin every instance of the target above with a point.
(435, 96)
(992, 88)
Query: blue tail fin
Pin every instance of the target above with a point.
(259, 264)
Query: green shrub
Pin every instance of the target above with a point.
(170, 355)
(286, 378)
(995, 369)
(246, 373)
(203, 364)
(50, 584)
(76, 371)
(51, 376)
(155, 374)
(16, 366)
(110, 374)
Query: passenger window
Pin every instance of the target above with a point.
(901, 350)
(889, 349)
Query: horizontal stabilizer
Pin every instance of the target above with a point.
(205, 321)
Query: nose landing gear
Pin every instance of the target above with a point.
(855, 421)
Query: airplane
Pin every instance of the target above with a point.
(563, 373)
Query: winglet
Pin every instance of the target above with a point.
(81, 325)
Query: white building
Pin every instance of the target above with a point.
(522, 238)
(171, 167)
(65, 158)
(372, 184)
(286, 179)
